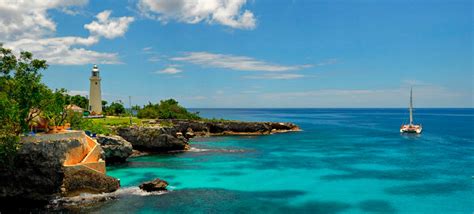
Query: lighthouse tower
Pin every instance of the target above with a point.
(95, 98)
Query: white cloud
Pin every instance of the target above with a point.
(78, 92)
(147, 49)
(29, 18)
(277, 76)
(70, 50)
(107, 26)
(222, 12)
(170, 70)
(62, 50)
(242, 63)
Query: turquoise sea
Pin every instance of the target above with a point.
(345, 161)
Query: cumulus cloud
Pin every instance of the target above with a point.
(241, 63)
(222, 12)
(60, 50)
(67, 50)
(109, 27)
(29, 18)
(171, 69)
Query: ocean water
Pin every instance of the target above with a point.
(345, 161)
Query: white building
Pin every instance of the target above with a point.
(95, 96)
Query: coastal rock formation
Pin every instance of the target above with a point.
(154, 185)
(154, 139)
(205, 128)
(83, 181)
(116, 148)
(163, 139)
(39, 174)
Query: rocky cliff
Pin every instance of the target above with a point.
(155, 139)
(175, 136)
(116, 148)
(213, 128)
(38, 173)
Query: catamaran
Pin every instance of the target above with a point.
(411, 128)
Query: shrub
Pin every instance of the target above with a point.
(166, 109)
(115, 109)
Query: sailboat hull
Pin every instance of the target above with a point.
(411, 129)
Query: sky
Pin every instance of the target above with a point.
(254, 53)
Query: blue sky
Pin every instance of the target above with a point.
(257, 53)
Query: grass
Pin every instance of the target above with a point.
(215, 120)
(115, 121)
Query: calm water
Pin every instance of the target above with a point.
(345, 161)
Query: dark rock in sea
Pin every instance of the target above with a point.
(175, 138)
(116, 148)
(190, 133)
(83, 181)
(154, 185)
(154, 139)
(205, 128)
(136, 153)
(38, 173)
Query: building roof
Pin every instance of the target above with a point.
(74, 107)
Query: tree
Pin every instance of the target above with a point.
(116, 108)
(21, 88)
(21, 95)
(104, 104)
(166, 109)
(77, 100)
(136, 108)
(54, 107)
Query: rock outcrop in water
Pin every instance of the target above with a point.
(38, 173)
(116, 148)
(154, 185)
(211, 128)
(155, 138)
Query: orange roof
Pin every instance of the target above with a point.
(73, 107)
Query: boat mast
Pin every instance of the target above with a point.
(411, 106)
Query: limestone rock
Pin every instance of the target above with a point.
(154, 185)
(190, 133)
(193, 128)
(116, 148)
(174, 138)
(85, 181)
(38, 173)
(154, 139)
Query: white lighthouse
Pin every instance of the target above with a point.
(95, 97)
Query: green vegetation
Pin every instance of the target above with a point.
(215, 120)
(77, 100)
(100, 125)
(22, 96)
(116, 121)
(79, 123)
(53, 110)
(166, 124)
(115, 109)
(166, 109)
